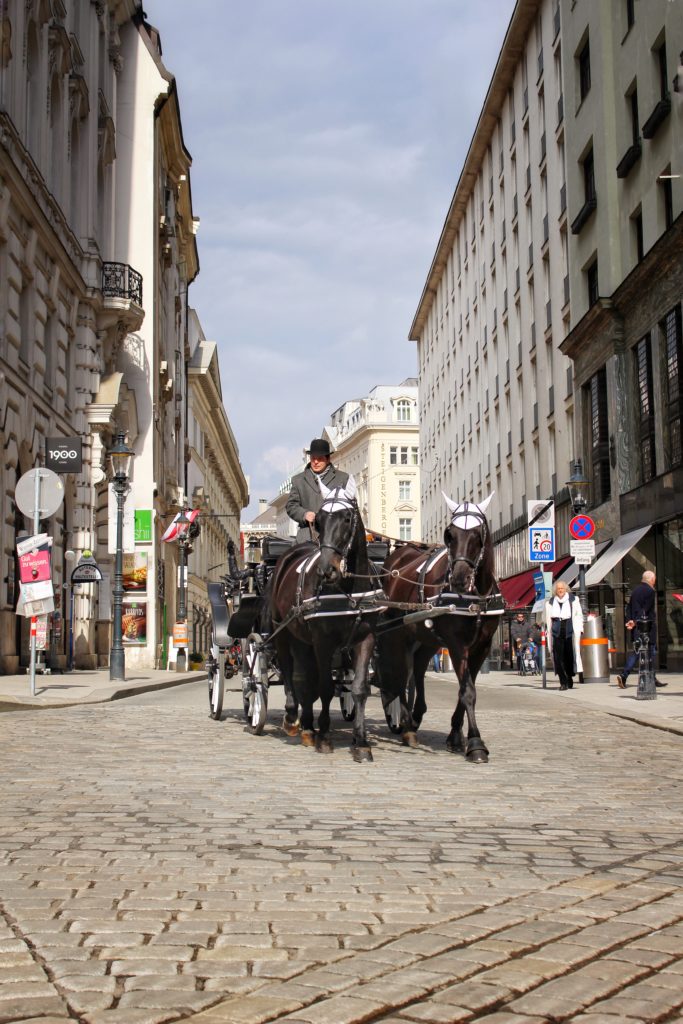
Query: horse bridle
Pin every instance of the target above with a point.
(353, 506)
(467, 510)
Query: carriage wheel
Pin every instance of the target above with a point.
(254, 683)
(392, 713)
(347, 704)
(216, 669)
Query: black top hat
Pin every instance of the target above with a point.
(319, 446)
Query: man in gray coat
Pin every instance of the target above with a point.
(305, 497)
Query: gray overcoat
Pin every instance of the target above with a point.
(305, 495)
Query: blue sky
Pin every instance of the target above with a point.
(327, 139)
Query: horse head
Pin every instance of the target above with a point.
(470, 550)
(337, 523)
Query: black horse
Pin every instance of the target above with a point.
(322, 601)
(457, 581)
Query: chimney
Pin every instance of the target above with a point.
(262, 505)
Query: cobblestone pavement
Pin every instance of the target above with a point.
(157, 866)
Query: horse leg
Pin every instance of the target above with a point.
(290, 721)
(421, 660)
(455, 742)
(304, 690)
(323, 658)
(475, 750)
(360, 690)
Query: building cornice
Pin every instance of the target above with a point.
(508, 60)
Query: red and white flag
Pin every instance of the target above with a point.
(174, 531)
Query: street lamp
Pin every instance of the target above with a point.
(120, 456)
(578, 485)
(183, 524)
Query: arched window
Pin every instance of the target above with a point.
(403, 410)
(56, 137)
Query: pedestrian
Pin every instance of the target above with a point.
(643, 605)
(519, 632)
(305, 496)
(564, 626)
(436, 661)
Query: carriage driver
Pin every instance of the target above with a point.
(305, 497)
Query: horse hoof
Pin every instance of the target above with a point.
(324, 746)
(476, 751)
(307, 738)
(291, 728)
(455, 746)
(361, 754)
(410, 739)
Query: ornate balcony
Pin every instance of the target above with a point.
(122, 282)
(122, 299)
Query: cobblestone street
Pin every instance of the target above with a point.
(157, 865)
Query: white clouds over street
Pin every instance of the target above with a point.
(326, 140)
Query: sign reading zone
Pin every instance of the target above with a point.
(541, 544)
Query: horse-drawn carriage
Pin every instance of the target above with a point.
(329, 617)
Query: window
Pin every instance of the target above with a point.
(599, 436)
(630, 13)
(393, 455)
(404, 490)
(592, 282)
(589, 176)
(633, 107)
(667, 198)
(584, 70)
(673, 338)
(414, 455)
(661, 66)
(645, 408)
(405, 529)
(637, 222)
(403, 410)
(403, 455)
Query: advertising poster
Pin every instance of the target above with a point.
(134, 623)
(135, 572)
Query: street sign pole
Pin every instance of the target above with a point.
(36, 530)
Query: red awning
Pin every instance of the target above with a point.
(519, 591)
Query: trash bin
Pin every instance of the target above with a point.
(595, 651)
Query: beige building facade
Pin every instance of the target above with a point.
(376, 438)
(549, 324)
(216, 484)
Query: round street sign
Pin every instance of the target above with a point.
(50, 494)
(581, 527)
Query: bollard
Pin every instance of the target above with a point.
(594, 651)
(647, 689)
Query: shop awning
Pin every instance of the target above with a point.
(571, 574)
(519, 590)
(621, 546)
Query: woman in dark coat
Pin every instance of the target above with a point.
(305, 496)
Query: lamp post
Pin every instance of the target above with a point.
(120, 456)
(183, 524)
(578, 485)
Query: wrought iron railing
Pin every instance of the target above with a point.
(122, 282)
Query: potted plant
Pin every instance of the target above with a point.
(196, 660)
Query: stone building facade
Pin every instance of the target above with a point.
(97, 252)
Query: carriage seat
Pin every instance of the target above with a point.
(219, 611)
(378, 550)
(243, 619)
(273, 548)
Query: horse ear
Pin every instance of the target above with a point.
(452, 505)
(483, 505)
(351, 490)
(325, 491)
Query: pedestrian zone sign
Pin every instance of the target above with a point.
(541, 544)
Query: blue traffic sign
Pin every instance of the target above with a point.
(541, 544)
(581, 527)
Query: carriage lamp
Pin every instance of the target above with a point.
(120, 457)
(578, 485)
